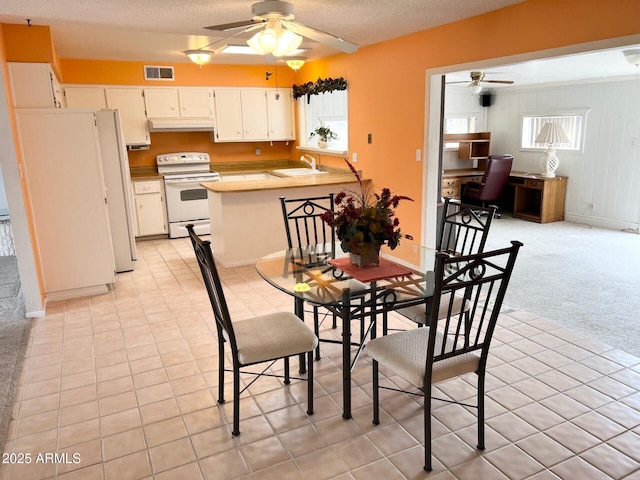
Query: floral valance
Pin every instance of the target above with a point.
(319, 86)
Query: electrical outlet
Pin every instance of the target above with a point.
(591, 206)
(418, 155)
(354, 157)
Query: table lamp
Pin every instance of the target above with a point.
(551, 134)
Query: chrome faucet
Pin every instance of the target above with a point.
(312, 163)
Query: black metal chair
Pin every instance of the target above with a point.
(262, 339)
(455, 344)
(463, 230)
(304, 226)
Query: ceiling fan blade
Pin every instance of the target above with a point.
(232, 26)
(320, 36)
(508, 82)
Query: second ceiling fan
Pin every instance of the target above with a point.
(477, 79)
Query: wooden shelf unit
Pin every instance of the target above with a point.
(472, 146)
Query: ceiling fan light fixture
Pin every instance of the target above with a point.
(275, 40)
(199, 57)
(632, 56)
(295, 63)
(287, 43)
(475, 89)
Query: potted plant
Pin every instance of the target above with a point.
(365, 220)
(325, 134)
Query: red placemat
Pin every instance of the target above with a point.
(370, 273)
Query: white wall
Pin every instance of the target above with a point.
(607, 172)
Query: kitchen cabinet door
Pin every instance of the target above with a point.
(254, 114)
(151, 216)
(280, 114)
(85, 97)
(228, 108)
(195, 102)
(34, 85)
(130, 102)
(162, 102)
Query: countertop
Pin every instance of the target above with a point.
(144, 173)
(332, 178)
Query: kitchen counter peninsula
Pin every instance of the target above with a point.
(246, 217)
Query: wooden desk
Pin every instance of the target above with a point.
(538, 199)
(535, 198)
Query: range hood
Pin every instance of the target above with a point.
(180, 124)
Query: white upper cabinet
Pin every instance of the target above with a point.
(85, 97)
(228, 108)
(280, 112)
(178, 102)
(130, 103)
(161, 102)
(34, 85)
(195, 102)
(253, 114)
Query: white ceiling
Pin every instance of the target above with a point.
(160, 30)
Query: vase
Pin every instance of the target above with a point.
(370, 255)
(322, 143)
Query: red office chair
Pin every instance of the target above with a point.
(493, 182)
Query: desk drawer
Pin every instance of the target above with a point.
(471, 179)
(450, 183)
(451, 192)
(534, 184)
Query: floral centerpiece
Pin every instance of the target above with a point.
(365, 220)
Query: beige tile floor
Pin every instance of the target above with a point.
(122, 386)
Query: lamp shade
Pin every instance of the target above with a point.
(552, 133)
(295, 63)
(475, 89)
(199, 57)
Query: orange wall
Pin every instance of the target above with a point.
(387, 80)
(169, 142)
(25, 192)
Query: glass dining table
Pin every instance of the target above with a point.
(322, 275)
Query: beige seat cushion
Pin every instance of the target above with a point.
(272, 336)
(406, 353)
(417, 313)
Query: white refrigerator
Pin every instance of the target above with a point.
(117, 178)
(68, 156)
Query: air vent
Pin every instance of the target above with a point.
(158, 73)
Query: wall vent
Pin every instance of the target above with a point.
(158, 73)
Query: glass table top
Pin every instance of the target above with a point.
(405, 274)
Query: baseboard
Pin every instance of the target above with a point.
(76, 292)
(601, 222)
(35, 314)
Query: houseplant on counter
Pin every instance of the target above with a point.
(365, 220)
(325, 134)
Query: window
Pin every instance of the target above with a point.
(458, 124)
(573, 125)
(327, 109)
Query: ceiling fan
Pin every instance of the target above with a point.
(274, 19)
(477, 78)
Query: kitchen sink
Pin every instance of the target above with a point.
(297, 172)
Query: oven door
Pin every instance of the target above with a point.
(186, 199)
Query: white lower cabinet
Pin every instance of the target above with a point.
(151, 214)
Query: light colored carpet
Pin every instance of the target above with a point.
(586, 279)
(14, 334)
